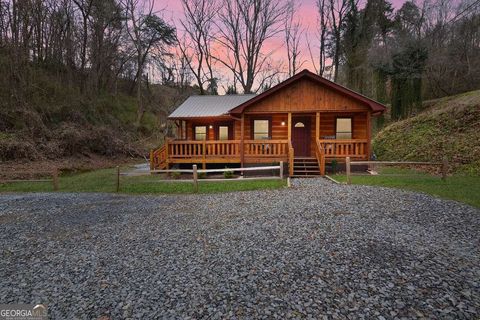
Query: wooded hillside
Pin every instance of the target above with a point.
(73, 80)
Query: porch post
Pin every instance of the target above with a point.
(317, 127)
(204, 154)
(289, 127)
(242, 142)
(179, 129)
(290, 149)
(369, 135)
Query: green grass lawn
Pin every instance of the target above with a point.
(457, 187)
(105, 181)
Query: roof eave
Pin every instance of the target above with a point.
(222, 116)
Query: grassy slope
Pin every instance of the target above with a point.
(105, 181)
(449, 126)
(458, 187)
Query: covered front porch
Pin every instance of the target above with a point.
(267, 138)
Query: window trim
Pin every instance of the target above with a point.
(195, 126)
(351, 124)
(252, 126)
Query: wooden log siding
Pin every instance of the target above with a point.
(279, 131)
(359, 124)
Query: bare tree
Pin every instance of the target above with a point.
(293, 34)
(244, 27)
(146, 31)
(330, 24)
(338, 13)
(85, 7)
(196, 46)
(107, 28)
(322, 33)
(4, 9)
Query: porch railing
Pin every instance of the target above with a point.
(199, 149)
(178, 149)
(260, 150)
(266, 148)
(353, 148)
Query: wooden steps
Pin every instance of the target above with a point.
(305, 168)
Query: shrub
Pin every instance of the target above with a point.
(13, 148)
(334, 165)
(176, 175)
(228, 174)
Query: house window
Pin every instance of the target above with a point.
(201, 133)
(223, 132)
(344, 128)
(261, 129)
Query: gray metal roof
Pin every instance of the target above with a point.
(209, 106)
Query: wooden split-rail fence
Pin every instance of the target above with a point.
(54, 179)
(372, 164)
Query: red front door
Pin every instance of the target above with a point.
(301, 136)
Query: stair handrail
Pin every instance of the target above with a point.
(320, 153)
(290, 158)
(158, 157)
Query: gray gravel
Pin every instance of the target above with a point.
(317, 250)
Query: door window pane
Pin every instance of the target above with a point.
(261, 129)
(223, 133)
(344, 128)
(299, 125)
(201, 133)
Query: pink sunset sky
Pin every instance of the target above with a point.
(172, 11)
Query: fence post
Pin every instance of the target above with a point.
(151, 160)
(195, 178)
(281, 169)
(118, 179)
(204, 154)
(55, 179)
(167, 163)
(347, 165)
(444, 168)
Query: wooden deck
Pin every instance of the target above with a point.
(252, 151)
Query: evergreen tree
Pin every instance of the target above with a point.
(408, 62)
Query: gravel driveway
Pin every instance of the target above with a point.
(317, 250)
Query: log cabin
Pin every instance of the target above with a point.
(306, 121)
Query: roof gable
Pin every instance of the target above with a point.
(344, 95)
